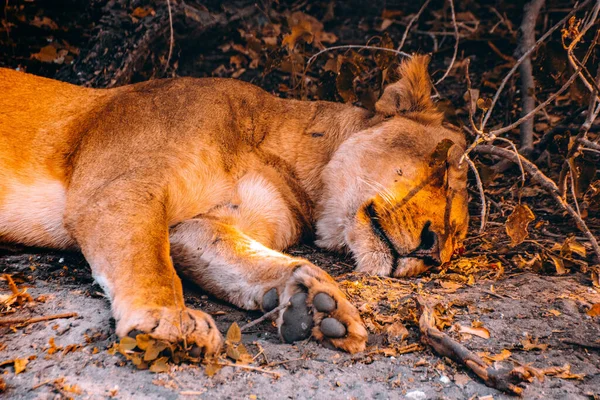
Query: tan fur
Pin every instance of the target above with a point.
(222, 177)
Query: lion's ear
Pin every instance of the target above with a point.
(412, 93)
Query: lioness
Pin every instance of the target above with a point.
(221, 177)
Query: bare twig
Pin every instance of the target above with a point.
(530, 15)
(456, 38)
(525, 56)
(411, 22)
(264, 316)
(524, 118)
(171, 38)
(589, 144)
(581, 135)
(546, 183)
(571, 57)
(353, 46)
(27, 321)
(251, 368)
(481, 194)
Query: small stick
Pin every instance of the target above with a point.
(265, 316)
(285, 361)
(27, 321)
(457, 38)
(589, 144)
(248, 367)
(581, 344)
(481, 194)
(411, 22)
(546, 183)
(525, 56)
(354, 46)
(11, 284)
(171, 38)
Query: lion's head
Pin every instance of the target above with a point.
(396, 193)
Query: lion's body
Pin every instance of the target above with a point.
(228, 146)
(225, 172)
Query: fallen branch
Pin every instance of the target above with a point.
(546, 183)
(502, 379)
(28, 321)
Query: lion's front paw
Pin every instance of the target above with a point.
(318, 307)
(174, 325)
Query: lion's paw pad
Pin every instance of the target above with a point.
(333, 328)
(270, 300)
(324, 302)
(297, 321)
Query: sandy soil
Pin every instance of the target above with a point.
(520, 306)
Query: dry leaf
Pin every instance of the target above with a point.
(20, 364)
(300, 32)
(532, 344)
(563, 372)
(397, 332)
(484, 104)
(450, 286)
(212, 368)
(481, 332)
(154, 350)
(594, 311)
(44, 22)
(556, 313)
(503, 355)
(517, 223)
(127, 344)
(160, 365)
(559, 265)
(234, 335)
(143, 340)
(141, 12)
(47, 54)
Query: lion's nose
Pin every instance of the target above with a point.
(430, 243)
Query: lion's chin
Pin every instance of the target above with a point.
(410, 267)
(380, 263)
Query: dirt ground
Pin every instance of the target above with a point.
(549, 309)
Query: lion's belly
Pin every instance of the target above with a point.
(32, 214)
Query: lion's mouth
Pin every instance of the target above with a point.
(422, 252)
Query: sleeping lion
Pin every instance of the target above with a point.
(213, 179)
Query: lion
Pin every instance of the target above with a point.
(213, 179)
